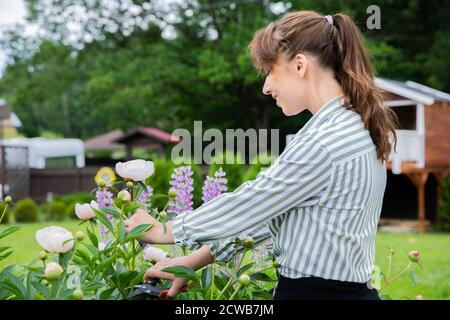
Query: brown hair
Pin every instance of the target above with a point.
(339, 47)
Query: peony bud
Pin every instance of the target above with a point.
(129, 184)
(78, 294)
(79, 235)
(84, 211)
(248, 242)
(276, 264)
(43, 255)
(244, 279)
(124, 195)
(172, 194)
(8, 199)
(163, 214)
(52, 271)
(414, 256)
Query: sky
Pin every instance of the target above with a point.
(11, 12)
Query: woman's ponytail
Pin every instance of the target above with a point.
(353, 71)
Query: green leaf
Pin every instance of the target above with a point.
(103, 219)
(6, 255)
(84, 256)
(93, 285)
(105, 295)
(206, 277)
(112, 211)
(137, 232)
(261, 276)
(414, 278)
(183, 272)
(125, 278)
(244, 268)
(121, 228)
(92, 238)
(9, 231)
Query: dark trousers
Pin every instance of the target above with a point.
(314, 288)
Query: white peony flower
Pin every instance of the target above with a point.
(136, 170)
(152, 253)
(84, 211)
(52, 239)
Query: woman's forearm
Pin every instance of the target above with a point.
(200, 258)
(157, 234)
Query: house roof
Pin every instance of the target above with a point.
(413, 91)
(151, 133)
(104, 141)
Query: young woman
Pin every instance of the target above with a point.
(320, 201)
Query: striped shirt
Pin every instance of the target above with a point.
(320, 202)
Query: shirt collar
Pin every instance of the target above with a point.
(327, 109)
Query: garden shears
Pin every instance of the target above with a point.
(150, 291)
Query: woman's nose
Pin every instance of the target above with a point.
(266, 89)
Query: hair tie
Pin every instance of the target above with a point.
(329, 19)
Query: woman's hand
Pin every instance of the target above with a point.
(196, 260)
(177, 283)
(156, 233)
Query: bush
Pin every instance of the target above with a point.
(159, 181)
(70, 211)
(80, 197)
(57, 210)
(26, 210)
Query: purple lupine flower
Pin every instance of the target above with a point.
(145, 196)
(213, 187)
(104, 199)
(183, 184)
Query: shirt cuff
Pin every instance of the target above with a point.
(178, 232)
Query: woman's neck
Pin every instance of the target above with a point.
(324, 90)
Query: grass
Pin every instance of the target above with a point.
(434, 278)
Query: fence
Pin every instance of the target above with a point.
(61, 181)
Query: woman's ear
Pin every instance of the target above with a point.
(301, 64)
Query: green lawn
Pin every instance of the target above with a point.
(434, 248)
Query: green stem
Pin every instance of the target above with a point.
(213, 267)
(396, 277)
(236, 291)
(92, 227)
(133, 257)
(389, 265)
(231, 278)
(52, 289)
(67, 268)
(4, 210)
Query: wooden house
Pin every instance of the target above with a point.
(423, 145)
